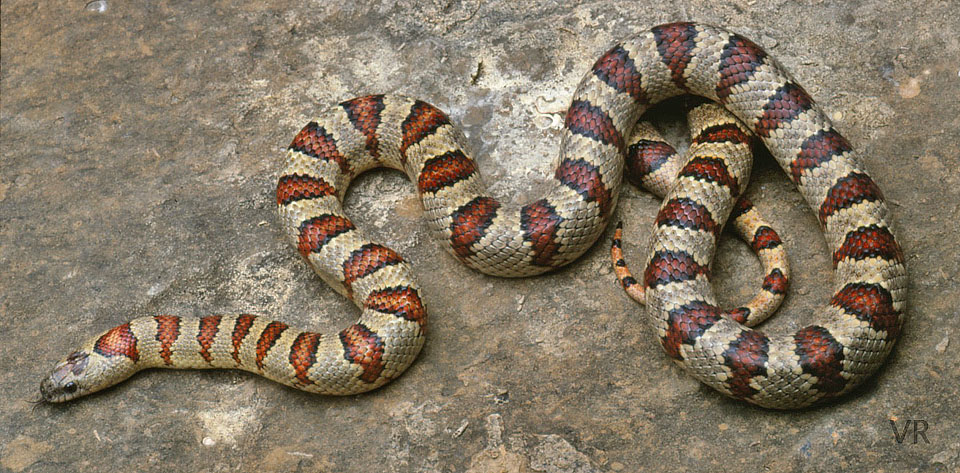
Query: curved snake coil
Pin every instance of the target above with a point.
(653, 164)
(859, 326)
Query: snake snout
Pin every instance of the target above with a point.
(49, 390)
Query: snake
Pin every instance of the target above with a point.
(855, 332)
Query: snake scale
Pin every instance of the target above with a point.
(856, 330)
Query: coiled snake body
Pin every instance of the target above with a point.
(858, 328)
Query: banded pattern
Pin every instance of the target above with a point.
(860, 323)
(655, 165)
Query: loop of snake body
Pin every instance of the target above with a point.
(655, 165)
(859, 325)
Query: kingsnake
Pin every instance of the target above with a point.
(859, 327)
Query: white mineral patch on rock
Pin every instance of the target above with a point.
(227, 425)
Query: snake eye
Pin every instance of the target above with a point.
(70, 387)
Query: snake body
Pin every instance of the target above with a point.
(655, 165)
(859, 326)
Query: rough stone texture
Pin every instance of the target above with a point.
(139, 154)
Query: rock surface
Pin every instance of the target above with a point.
(140, 145)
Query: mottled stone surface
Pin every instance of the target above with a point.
(139, 154)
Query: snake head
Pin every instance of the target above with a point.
(68, 380)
